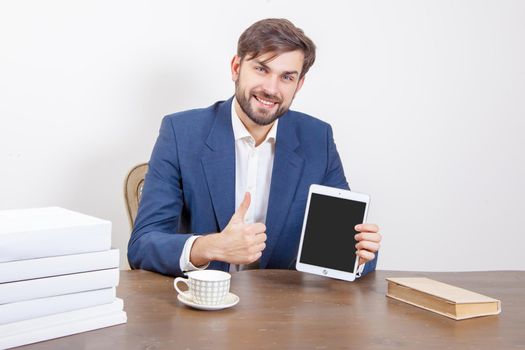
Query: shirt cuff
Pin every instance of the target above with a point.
(184, 261)
(360, 270)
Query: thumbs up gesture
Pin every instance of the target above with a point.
(238, 243)
(243, 243)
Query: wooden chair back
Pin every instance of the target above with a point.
(133, 190)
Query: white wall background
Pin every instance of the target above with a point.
(427, 101)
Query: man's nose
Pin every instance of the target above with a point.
(271, 85)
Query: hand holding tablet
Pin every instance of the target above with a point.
(327, 246)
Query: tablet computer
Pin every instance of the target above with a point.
(327, 245)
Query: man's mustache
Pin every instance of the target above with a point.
(268, 97)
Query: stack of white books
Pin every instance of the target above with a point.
(58, 275)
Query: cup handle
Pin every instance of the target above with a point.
(183, 280)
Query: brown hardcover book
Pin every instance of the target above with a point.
(444, 299)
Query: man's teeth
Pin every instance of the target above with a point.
(264, 102)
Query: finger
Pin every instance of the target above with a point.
(368, 236)
(254, 257)
(367, 245)
(256, 228)
(367, 228)
(243, 208)
(365, 255)
(260, 247)
(260, 238)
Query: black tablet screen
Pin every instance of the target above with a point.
(329, 233)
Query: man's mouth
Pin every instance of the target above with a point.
(264, 102)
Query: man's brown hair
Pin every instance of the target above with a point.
(276, 35)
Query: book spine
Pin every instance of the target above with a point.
(24, 310)
(63, 330)
(58, 285)
(58, 265)
(43, 243)
(34, 324)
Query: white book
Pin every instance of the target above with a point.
(20, 270)
(58, 285)
(57, 319)
(60, 325)
(24, 310)
(63, 330)
(52, 231)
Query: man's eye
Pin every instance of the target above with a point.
(260, 69)
(288, 77)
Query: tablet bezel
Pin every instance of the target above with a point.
(337, 193)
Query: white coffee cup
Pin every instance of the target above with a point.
(206, 287)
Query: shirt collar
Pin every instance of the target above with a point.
(240, 131)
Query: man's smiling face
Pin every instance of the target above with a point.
(265, 86)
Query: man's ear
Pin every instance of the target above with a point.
(235, 67)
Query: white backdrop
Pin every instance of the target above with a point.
(427, 101)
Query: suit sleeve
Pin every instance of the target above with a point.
(155, 243)
(335, 177)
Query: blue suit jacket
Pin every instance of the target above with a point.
(190, 186)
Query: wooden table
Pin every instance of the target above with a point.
(282, 309)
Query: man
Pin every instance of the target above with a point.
(249, 152)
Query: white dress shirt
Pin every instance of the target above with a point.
(253, 173)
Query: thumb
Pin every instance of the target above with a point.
(243, 208)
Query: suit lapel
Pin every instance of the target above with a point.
(218, 162)
(287, 169)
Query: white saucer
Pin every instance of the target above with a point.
(229, 301)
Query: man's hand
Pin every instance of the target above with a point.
(368, 242)
(238, 243)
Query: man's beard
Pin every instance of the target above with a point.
(260, 116)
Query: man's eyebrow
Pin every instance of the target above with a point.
(261, 63)
(268, 68)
